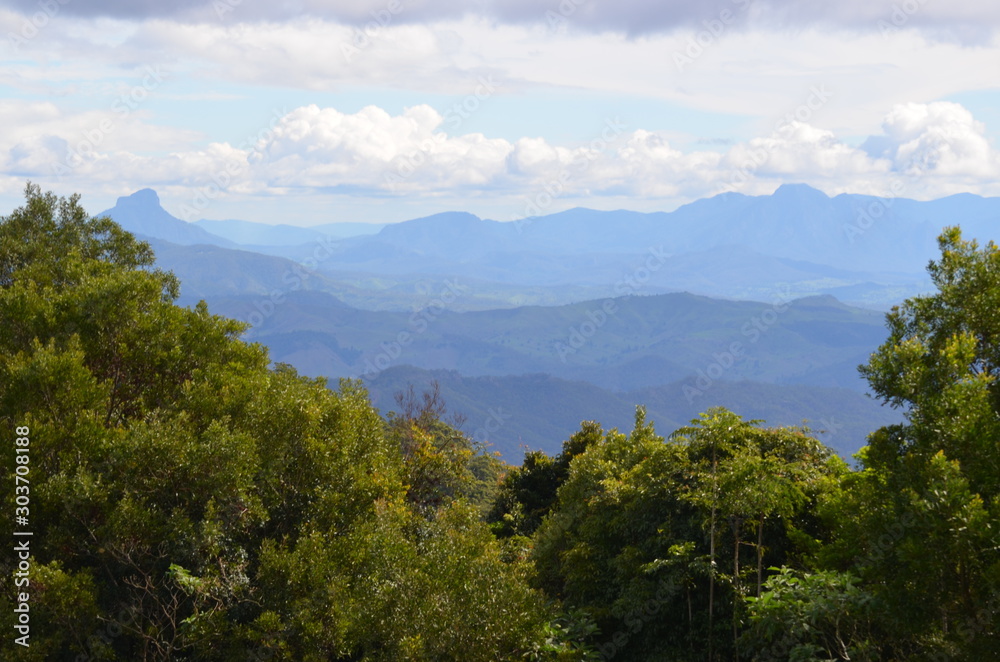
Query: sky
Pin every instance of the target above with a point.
(317, 111)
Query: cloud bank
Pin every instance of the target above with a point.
(928, 150)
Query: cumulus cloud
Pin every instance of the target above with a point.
(937, 146)
(941, 137)
(43, 140)
(370, 149)
(936, 149)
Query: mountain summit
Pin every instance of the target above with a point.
(799, 192)
(142, 214)
(143, 198)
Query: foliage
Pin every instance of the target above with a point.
(631, 538)
(919, 522)
(942, 360)
(190, 502)
(441, 463)
(528, 492)
(805, 616)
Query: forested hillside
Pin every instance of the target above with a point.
(187, 499)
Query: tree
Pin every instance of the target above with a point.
(199, 504)
(918, 524)
(527, 493)
(747, 474)
(806, 616)
(37, 239)
(941, 362)
(633, 535)
(441, 463)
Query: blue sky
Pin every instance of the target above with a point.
(312, 111)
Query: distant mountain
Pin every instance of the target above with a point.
(141, 214)
(847, 232)
(674, 353)
(620, 344)
(532, 326)
(727, 271)
(246, 233)
(263, 235)
(348, 228)
(863, 249)
(522, 412)
(208, 271)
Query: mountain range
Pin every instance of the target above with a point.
(864, 250)
(769, 303)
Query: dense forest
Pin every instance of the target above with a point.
(188, 499)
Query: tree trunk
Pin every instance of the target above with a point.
(711, 569)
(690, 620)
(737, 526)
(760, 553)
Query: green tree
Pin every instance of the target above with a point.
(823, 615)
(918, 523)
(527, 493)
(746, 475)
(192, 503)
(441, 462)
(941, 362)
(633, 536)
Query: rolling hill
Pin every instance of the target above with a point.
(537, 412)
(622, 343)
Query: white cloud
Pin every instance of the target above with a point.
(45, 143)
(940, 137)
(375, 151)
(372, 152)
(938, 148)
